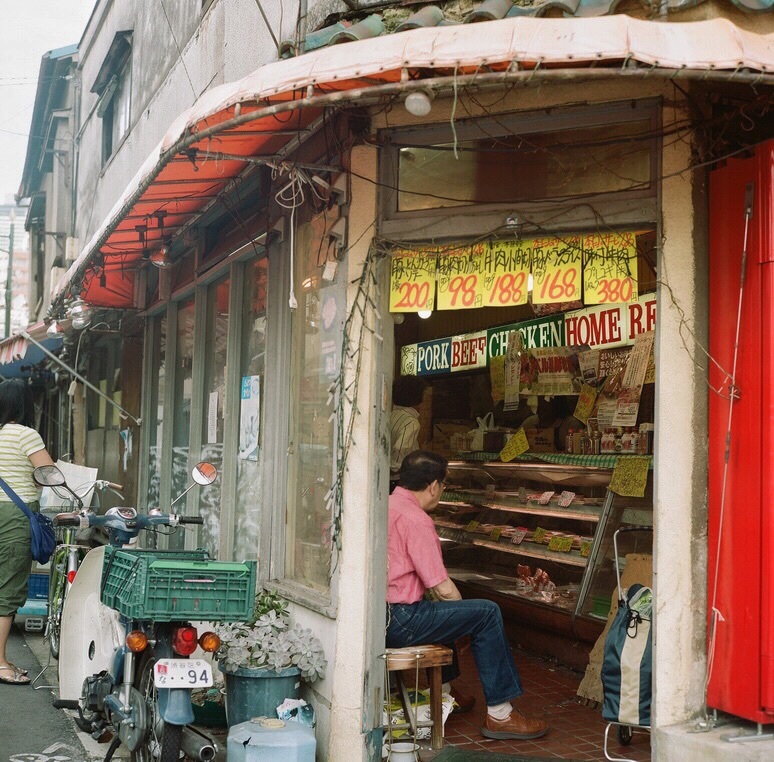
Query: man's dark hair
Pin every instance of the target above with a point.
(407, 391)
(17, 404)
(420, 469)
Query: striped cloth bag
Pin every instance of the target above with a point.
(627, 663)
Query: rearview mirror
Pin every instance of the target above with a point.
(48, 476)
(204, 473)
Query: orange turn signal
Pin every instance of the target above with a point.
(210, 642)
(136, 641)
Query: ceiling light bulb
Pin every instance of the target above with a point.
(419, 102)
(160, 258)
(424, 314)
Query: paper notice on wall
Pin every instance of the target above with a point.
(250, 417)
(585, 406)
(212, 418)
(589, 365)
(631, 388)
(497, 377)
(512, 371)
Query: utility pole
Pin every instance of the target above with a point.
(8, 278)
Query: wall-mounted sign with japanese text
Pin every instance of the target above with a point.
(556, 269)
(609, 268)
(412, 280)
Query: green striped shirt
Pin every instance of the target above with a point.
(17, 443)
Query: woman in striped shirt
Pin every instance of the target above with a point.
(21, 451)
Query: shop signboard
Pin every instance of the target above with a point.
(543, 332)
(608, 326)
(468, 351)
(433, 357)
(609, 268)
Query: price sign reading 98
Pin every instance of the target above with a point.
(610, 269)
(556, 269)
(460, 278)
(412, 280)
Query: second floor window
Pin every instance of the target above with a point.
(114, 88)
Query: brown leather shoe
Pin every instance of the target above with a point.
(462, 702)
(517, 726)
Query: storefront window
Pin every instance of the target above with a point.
(215, 344)
(159, 355)
(181, 430)
(317, 324)
(524, 166)
(251, 376)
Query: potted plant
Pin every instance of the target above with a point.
(264, 660)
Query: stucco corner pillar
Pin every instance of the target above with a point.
(680, 506)
(358, 670)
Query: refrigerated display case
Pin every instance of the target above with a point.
(503, 526)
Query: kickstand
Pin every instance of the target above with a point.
(40, 674)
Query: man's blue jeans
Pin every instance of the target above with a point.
(411, 624)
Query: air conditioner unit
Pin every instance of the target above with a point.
(72, 249)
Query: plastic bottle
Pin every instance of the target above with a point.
(568, 441)
(618, 444)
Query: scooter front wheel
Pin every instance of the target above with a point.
(163, 743)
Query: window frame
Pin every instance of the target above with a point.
(621, 206)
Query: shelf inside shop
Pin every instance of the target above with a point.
(449, 525)
(533, 550)
(546, 510)
(553, 473)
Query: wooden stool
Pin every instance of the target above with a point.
(431, 658)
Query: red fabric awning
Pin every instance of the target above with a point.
(259, 115)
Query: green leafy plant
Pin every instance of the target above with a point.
(269, 641)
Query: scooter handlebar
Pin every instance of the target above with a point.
(66, 520)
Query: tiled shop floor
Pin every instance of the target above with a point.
(576, 731)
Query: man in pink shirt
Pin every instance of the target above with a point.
(414, 566)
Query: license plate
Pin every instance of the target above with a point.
(182, 673)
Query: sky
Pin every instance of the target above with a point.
(28, 29)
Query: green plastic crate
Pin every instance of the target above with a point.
(169, 585)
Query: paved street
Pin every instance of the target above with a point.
(31, 730)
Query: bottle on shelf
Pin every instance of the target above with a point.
(568, 441)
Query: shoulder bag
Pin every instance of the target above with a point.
(41, 528)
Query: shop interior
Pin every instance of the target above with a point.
(535, 533)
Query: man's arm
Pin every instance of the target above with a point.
(447, 591)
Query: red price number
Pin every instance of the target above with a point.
(463, 287)
(413, 295)
(559, 286)
(615, 290)
(508, 289)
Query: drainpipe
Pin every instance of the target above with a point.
(76, 146)
(9, 278)
(302, 10)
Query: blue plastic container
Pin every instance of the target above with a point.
(271, 740)
(258, 692)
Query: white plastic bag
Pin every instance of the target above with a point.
(484, 424)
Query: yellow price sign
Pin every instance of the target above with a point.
(629, 476)
(539, 535)
(556, 269)
(412, 280)
(517, 445)
(610, 268)
(585, 548)
(506, 266)
(585, 405)
(560, 544)
(497, 377)
(460, 278)
(472, 526)
(494, 535)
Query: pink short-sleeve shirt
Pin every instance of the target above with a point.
(414, 561)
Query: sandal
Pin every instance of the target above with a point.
(19, 669)
(19, 678)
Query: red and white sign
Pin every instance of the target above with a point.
(468, 351)
(610, 326)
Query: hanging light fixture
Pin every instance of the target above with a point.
(79, 313)
(424, 314)
(141, 230)
(160, 258)
(419, 102)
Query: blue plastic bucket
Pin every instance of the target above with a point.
(258, 692)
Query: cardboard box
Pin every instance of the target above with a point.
(443, 430)
(540, 440)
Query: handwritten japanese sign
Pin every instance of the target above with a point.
(556, 269)
(517, 445)
(629, 476)
(460, 278)
(412, 280)
(610, 268)
(505, 267)
(586, 400)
